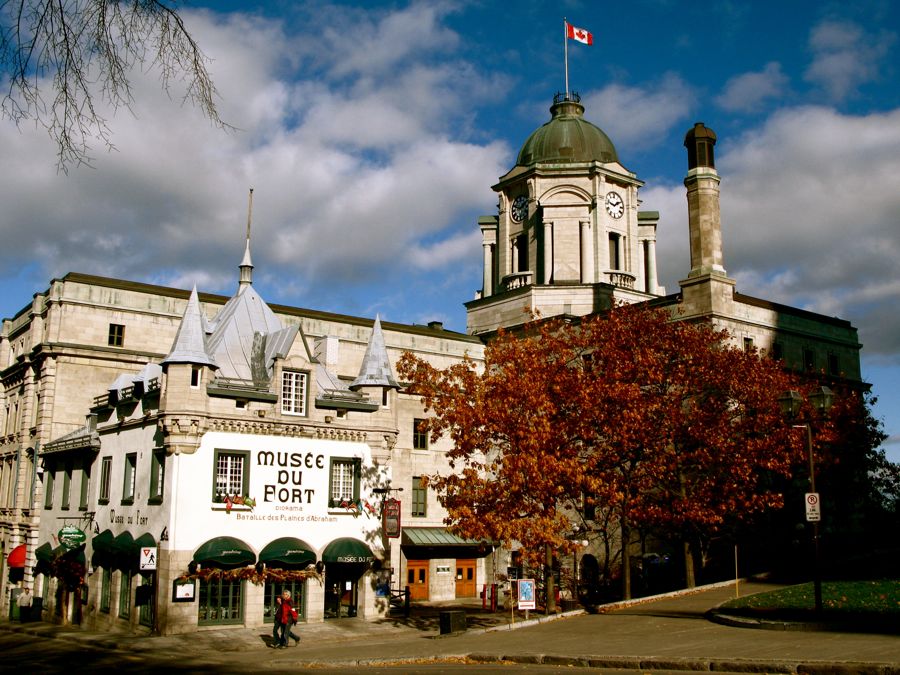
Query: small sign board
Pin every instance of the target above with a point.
(182, 591)
(512, 573)
(527, 598)
(391, 518)
(71, 536)
(813, 507)
(149, 556)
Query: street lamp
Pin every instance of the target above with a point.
(821, 401)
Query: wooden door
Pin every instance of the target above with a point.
(417, 579)
(465, 579)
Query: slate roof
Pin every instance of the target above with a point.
(376, 367)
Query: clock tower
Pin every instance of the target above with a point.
(568, 237)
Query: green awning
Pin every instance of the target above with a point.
(440, 542)
(434, 536)
(347, 550)
(288, 551)
(44, 552)
(103, 542)
(76, 554)
(123, 544)
(225, 552)
(146, 540)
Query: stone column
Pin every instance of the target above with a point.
(587, 259)
(651, 266)
(548, 252)
(487, 287)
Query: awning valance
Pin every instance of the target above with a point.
(16, 557)
(347, 550)
(225, 552)
(288, 551)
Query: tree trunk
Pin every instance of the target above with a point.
(626, 559)
(549, 585)
(690, 580)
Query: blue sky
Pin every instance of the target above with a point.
(372, 132)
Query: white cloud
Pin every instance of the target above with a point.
(845, 57)
(639, 117)
(354, 177)
(810, 218)
(748, 92)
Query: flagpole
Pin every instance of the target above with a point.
(566, 51)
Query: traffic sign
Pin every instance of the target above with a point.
(148, 558)
(813, 510)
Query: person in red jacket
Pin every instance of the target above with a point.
(286, 616)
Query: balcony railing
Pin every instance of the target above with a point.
(516, 280)
(620, 279)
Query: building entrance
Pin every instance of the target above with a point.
(417, 579)
(465, 579)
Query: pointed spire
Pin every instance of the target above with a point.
(190, 343)
(376, 368)
(246, 267)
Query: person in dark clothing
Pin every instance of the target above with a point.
(277, 626)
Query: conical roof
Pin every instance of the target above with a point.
(190, 341)
(376, 368)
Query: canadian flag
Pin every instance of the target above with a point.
(579, 34)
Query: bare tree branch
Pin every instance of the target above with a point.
(57, 56)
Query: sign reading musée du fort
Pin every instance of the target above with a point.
(294, 476)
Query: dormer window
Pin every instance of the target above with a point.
(293, 392)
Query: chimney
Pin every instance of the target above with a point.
(704, 220)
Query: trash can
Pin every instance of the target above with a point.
(452, 621)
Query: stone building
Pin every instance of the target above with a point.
(224, 433)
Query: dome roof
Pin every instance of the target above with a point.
(567, 137)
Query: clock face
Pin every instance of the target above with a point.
(614, 204)
(520, 208)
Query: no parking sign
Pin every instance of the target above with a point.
(813, 507)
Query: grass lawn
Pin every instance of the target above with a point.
(867, 605)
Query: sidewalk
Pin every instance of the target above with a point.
(662, 632)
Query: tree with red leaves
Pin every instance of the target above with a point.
(660, 420)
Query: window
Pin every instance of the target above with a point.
(614, 252)
(344, 485)
(419, 497)
(748, 344)
(232, 474)
(105, 473)
(520, 251)
(85, 482)
(834, 367)
(196, 376)
(274, 589)
(105, 583)
(778, 351)
(116, 335)
(293, 392)
(157, 476)
(66, 485)
(220, 601)
(809, 360)
(128, 484)
(125, 594)
(48, 487)
(420, 436)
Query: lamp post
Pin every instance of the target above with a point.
(821, 401)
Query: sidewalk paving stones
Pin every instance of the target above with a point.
(664, 632)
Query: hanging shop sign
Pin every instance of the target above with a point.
(391, 518)
(71, 537)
